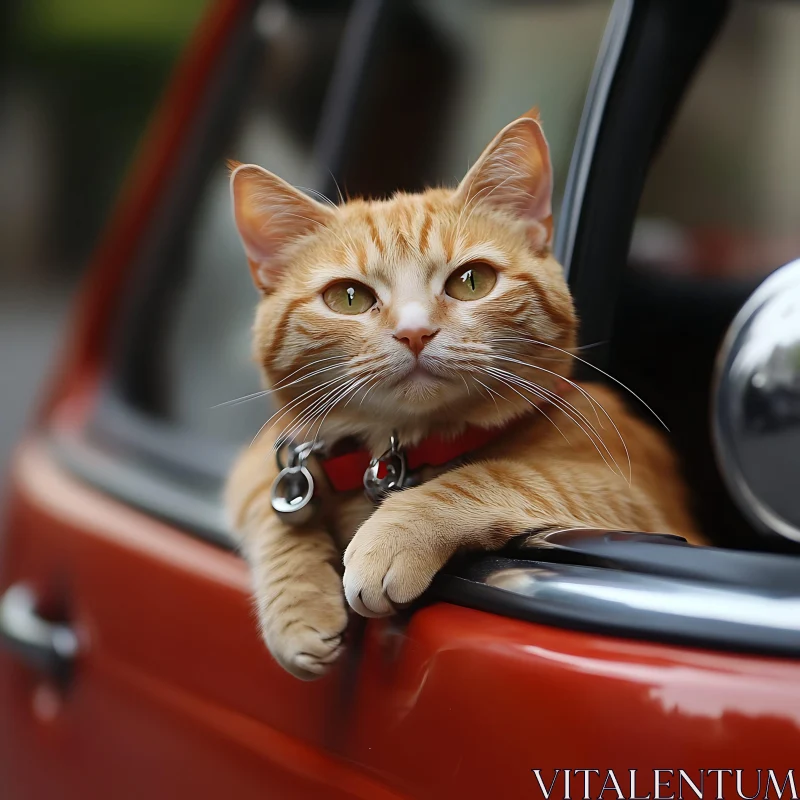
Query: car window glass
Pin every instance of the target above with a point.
(722, 198)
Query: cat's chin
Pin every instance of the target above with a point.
(426, 393)
(422, 376)
(420, 384)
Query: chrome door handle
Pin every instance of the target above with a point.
(48, 647)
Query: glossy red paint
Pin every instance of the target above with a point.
(175, 696)
(473, 702)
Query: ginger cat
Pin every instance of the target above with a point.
(424, 314)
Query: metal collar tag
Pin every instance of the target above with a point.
(393, 465)
(292, 495)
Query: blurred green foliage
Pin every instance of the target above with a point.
(96, 69)
(81, 23)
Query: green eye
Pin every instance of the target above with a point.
(348, 297)
(471, 281)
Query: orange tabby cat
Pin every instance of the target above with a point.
(423, 314)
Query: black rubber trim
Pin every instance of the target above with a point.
(624, 604)
(158, 271)
(127, 418)
(360, 46)
(665, 555)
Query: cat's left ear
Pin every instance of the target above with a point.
(514, 175)
(271, 214)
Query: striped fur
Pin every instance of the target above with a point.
(580, 461)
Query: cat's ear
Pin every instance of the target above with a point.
(514, 174)
(270, 214)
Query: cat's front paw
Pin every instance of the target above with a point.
(392, 560)
(305, 651)
(304, 630)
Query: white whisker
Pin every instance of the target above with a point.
(294, 426)
(491, 391)
(280, 385)
(306, 366)
(243, 399)
(353, 387)
(320, 195)
(582, 391)
(309, 393)
(377, 383)
(372, 378)
(504, 380)
(589, 364)
(590, 434)
(572, 413)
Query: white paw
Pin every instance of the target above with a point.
(388, 565)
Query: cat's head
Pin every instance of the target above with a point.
(421, 311)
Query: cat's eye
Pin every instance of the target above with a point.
(471, 281)
(348, 297)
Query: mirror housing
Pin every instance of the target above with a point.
(756, 405)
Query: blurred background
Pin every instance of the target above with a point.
(78, 81)
(81, 77)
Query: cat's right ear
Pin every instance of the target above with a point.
(270, 214)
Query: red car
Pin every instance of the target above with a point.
(601, 664)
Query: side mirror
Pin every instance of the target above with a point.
(756, 405)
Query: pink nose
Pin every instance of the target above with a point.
(415, 338)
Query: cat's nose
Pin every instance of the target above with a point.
(414, 328)
(415, 338)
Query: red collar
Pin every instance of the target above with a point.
(346, 472)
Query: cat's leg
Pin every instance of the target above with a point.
(298, 592)
(396, 553)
